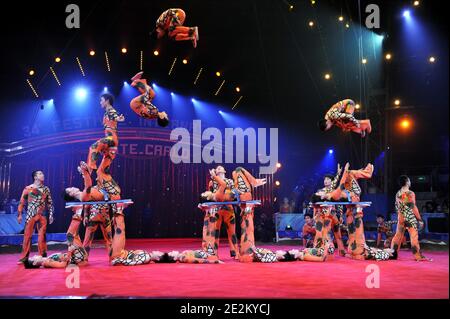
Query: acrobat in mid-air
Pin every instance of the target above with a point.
(142, 105)
(171, 22)
(341, 115)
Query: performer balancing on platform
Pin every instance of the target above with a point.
(220, 189)
(244, 182)
(142, 105)
(349, 190)
(327, 219)
(110, 190)
(171, 22)
(108, 144)
(341, 115)
(408, 219)
(37, 198)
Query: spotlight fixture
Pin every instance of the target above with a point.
(388, 56)
(397, 102)
(57, 59)
(364, 61)
(124, 50)
(347, 25)
(92, 53)
(311, 23)
(327, 76)
(31, 73)
(238, 89)
(277, 183)
(341, 18)
(432, 59)
(416, 3)
(218, 73)
(185, 61)
(278, 165)
(156, 53)
(357, 106)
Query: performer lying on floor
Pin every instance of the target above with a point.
(341, 115)
(191, 257)
(142, 105)
(171, 22)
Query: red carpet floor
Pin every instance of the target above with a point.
(336, 278)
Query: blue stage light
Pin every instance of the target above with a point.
(105, 88)
(81, 94)
(407, 14)
(192, 100)
(330, 151)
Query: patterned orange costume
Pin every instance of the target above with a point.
(222, 190)
(37, 198)
(244, 183)
(171, 22)
(409, 219)
(326, 220)
(341, 115)
(142, 104)
(107, 145)
(97, 215)
(349, 190)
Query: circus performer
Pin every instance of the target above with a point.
(349, 190)
(341, 115)
(142, 105)
(37, 198)
(244, 183)
(220, 190)
(408, 219)
(108, 190)
(107, 146)
(191, 257)
(95, 216)
(171, 22)
(384, 228)
(308, 232)
(328, 219)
